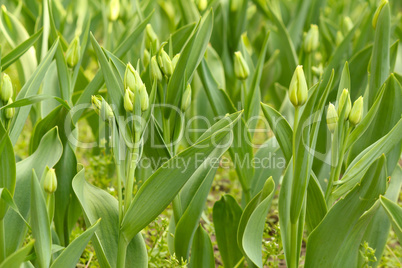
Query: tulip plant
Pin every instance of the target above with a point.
(302, 99)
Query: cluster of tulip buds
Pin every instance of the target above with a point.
(352, 113)
(6, 95)
(134, 88)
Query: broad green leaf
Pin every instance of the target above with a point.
(167, 181)
(281, 128)
(378, 230)
(32, 100)
(190, 58)
(48, 154)
(18, 257)
(30, 88)
(189, 11)
(316, 207)
(40, 223)
(387, 116)
(70, 256)
(192, 198)
(20, 50)
(7, 167)
(363, 161)
(252, 223)
(394, 212)
(380, 62)
(202, 252)
(97, 203)
(345, 223)
(226, 216)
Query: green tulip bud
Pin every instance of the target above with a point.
(147, 58)
(144, 98)
(6, 89)
(202, 4)
(347, 25)
(344, 99)
(130, 80)
(114, 10)
(102, 108)
(165, 63)
(175, 60)
(356, 113)
(151, 39)
(186, 98)
(298, 91)
(50, 183)
(240, 66)
(155, 71)
(332, 118)
(73, 52)
(312, 39)
(10, 111)
(128, 100)
(378, 11)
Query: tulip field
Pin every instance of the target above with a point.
(200, 133)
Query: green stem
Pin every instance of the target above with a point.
(121, 252)
(131, 173)
(244, 93)
(293, 246)
(119, 192)
(2, 241)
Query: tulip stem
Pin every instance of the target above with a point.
(2, 241)
(121, 252)
(131, 173)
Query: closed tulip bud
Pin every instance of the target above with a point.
(155, 71)
(311, 41)
(114, 10)
(130, 80)
(298, 91)
(344, 99)
(347, 25)
(147, 58)
(378, 11)
(165, 63)
(102, 108)
(356, 113)
(6, 89)
(202, 4)
(73, 52)
(240, 66)
(175, 60)
(50, 183)
(332, 118)
(144, 98)
(128, 103)
(186, 98)
(151, 39)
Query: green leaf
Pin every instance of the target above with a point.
(34, 99)
(30, 88)
(20, 50)
(7, 167)
(345, 223)
(70, 256)
(97, 203)
(167, 181)
(394, 212)
(48, 154)
(190, 58)
(281, 128)
(345, 80)
(226, 216)
(40, 223)
(202, 252)
(16, 259)
(316, 207)
(252, 223)
(380, 62)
